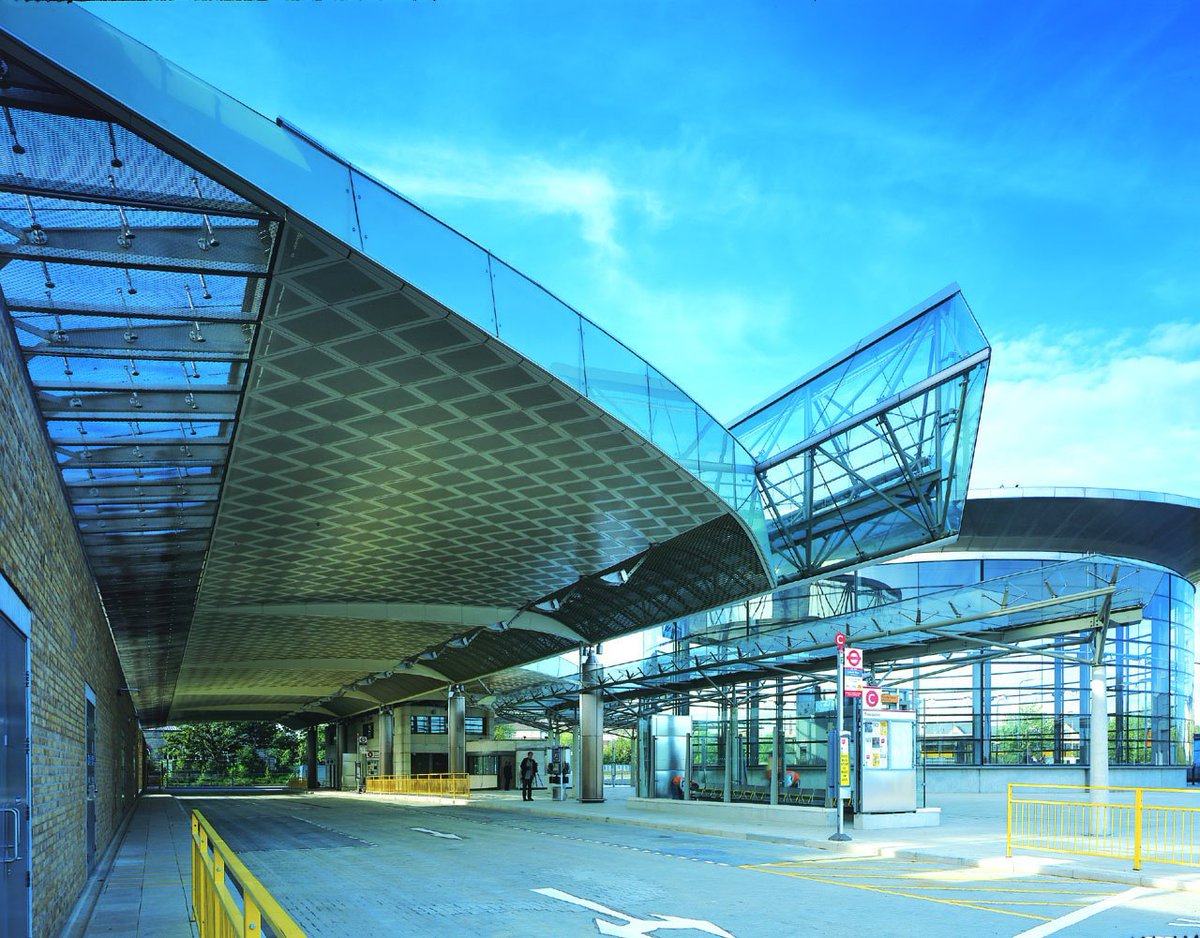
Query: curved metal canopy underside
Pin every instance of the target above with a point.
(1147, 526)
(324, 452)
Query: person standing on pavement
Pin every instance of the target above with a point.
(529, 769)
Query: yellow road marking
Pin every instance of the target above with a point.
(897, 892)
(855, 859)
(982, 887)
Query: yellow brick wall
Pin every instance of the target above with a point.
(70, 644)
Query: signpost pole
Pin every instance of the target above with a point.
(840, 835)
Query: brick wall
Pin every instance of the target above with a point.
(70, 645)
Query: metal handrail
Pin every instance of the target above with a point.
(437, 784)
(1133, 829)
(218, 911)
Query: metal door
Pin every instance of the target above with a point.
(89, 732)
(14, 782)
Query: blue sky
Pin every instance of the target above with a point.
(741, 190)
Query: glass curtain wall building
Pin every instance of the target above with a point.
(990, 639)
(1027, 709)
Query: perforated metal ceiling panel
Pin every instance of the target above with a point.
(388, 451)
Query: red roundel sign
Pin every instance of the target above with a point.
(840, 639)
(871, 697)
(854, 657)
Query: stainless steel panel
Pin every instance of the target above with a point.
(888, 777)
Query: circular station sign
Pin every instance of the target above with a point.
(840, 639)
(871, 697)
(853, 657)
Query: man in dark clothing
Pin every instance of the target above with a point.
(528, 771)
(508, 774)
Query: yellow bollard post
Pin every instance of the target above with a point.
(1137, 829)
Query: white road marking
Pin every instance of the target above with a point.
(1120, 898)
(634, 927)
(426, 830)
(1186, 922)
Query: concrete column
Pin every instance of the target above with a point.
(387, 734)
(310, 759)
(456, 734)
(1098, 747)
(589, 773)
(730, 748)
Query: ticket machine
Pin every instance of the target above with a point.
(558, 771)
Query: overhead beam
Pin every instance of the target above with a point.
(220, 314)
(239, 252)
(130, 198)
(143, 341)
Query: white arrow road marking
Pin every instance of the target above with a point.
(634, 927)
(1185, 922)
(426, 830)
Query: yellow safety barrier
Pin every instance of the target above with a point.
(1138, 824)
(442, 785)
(221, 912)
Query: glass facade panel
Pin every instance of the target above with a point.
(418, 248)
(616, 378)
(539, 326)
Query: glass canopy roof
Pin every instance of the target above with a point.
(1074, 596)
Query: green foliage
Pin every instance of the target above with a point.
(1023, 737)
(225, 752)
(502, 731)
(618, 750)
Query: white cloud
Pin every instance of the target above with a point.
(1115, 411)
(527, 183)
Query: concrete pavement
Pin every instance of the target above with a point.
(972, 833)
(431, 867)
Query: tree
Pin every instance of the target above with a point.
(227, 751)
(618, 750)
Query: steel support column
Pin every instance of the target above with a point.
(387, 732)
(776, 742)
(730, 746)
(589, 775)
(456, 736)
(310, 758)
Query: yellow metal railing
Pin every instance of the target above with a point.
(1138, 824)
(222, 912)
(442, 785)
